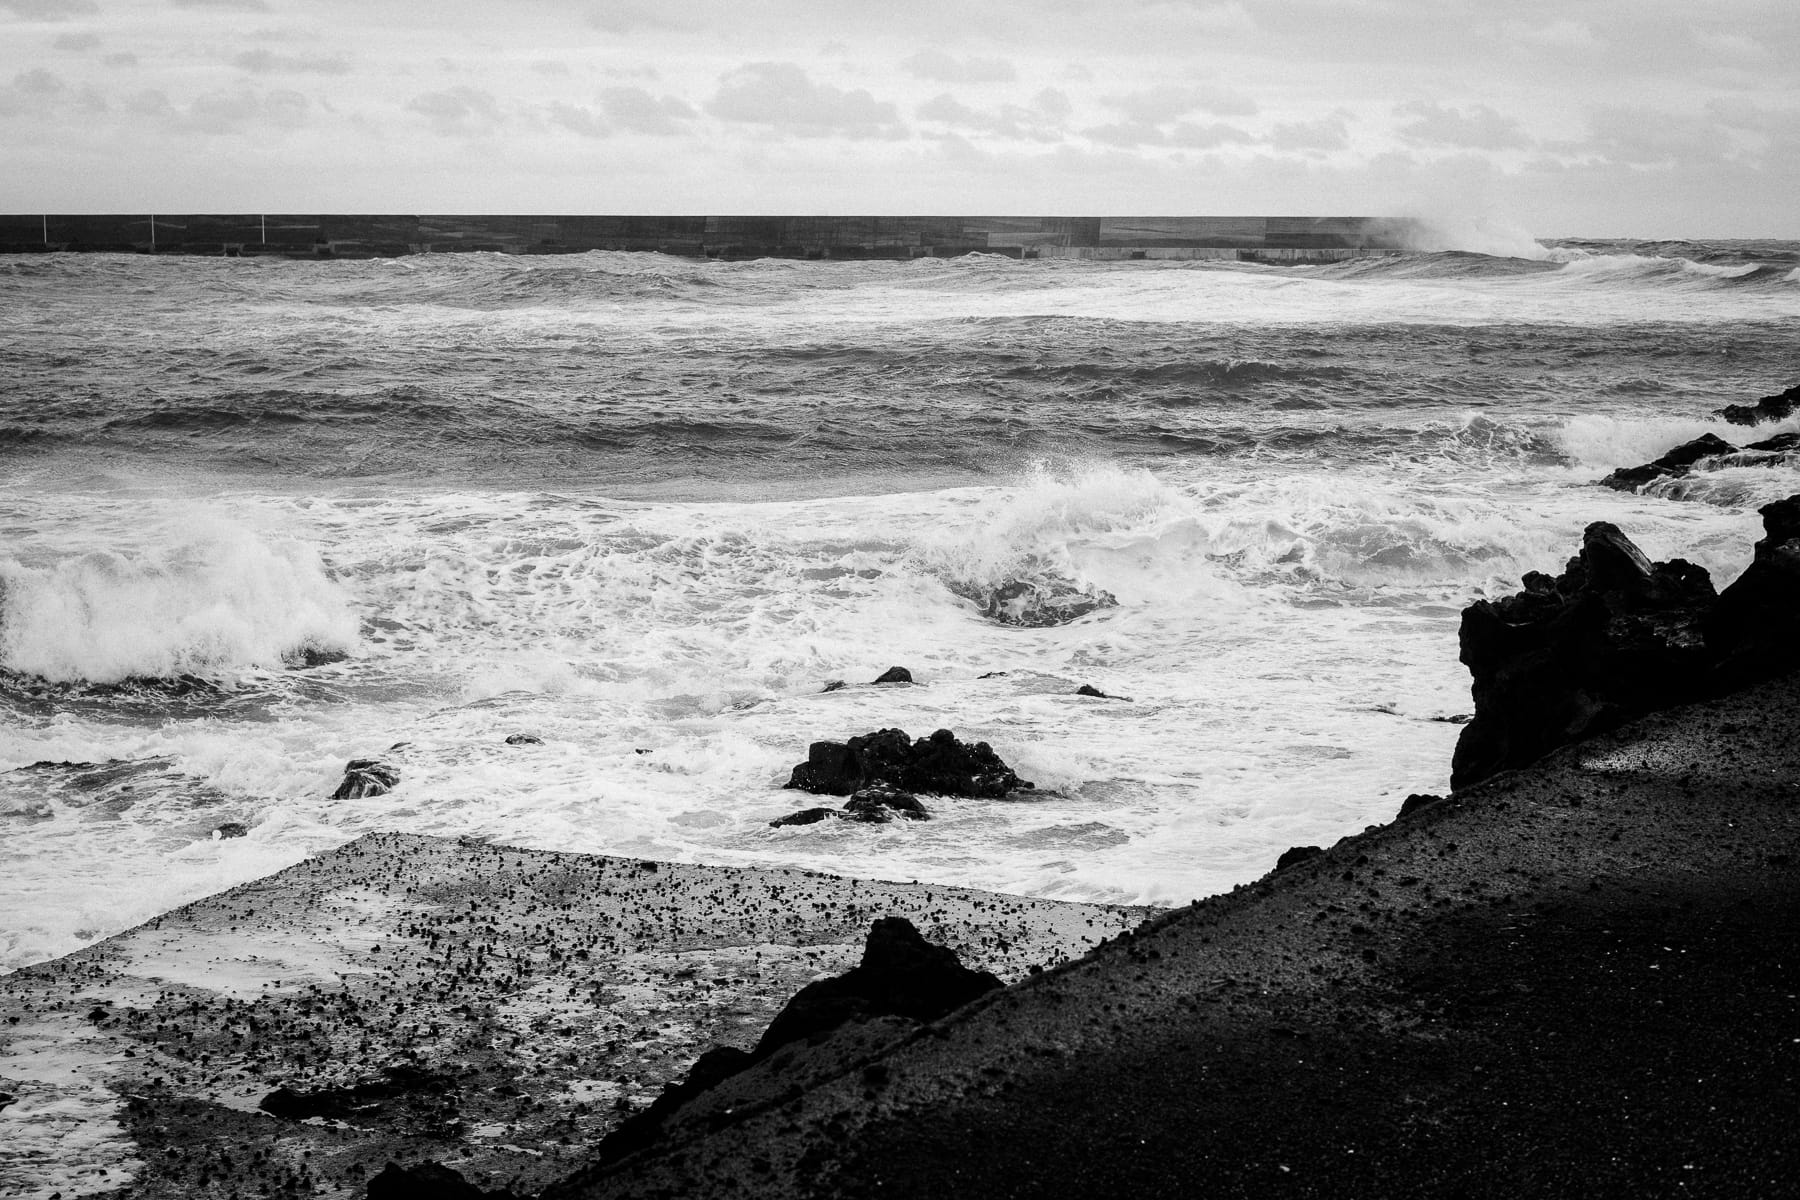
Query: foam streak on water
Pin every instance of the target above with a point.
(646, 509)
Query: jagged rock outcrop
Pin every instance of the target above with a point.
(1754, 629)
(1616, 636)
(1769, 408)
(1707, 452)
(939, 765)
(1678, 461)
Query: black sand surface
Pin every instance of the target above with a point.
(498, 1010)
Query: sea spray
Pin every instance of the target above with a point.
(220, 599)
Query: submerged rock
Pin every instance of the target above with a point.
(939, 765)
(307, 657)
(366, 777)
(1769, 408)
(524, 739)
(1678, 461)
(1036, 604)
(880, 801)
(895, 675)
(876, 804)
(808, 816)
(231, 829)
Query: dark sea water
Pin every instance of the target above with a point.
(645, 508)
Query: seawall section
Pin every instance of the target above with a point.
(325, 235)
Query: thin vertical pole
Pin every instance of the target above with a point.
(46, 229)
(153, 233)
(265, 228)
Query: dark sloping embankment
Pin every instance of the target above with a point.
(1575, 979)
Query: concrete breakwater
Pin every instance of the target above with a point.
(1255, 239)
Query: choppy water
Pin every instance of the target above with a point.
(646, 508)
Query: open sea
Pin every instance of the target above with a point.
(646, 508)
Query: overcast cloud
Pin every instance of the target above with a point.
(1603, 117)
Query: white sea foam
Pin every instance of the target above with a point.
(217, 598)
(1286, 625)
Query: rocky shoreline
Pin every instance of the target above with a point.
(415, 999)
(1577, 974)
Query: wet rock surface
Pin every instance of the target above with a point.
(938, 765)
(1676, 462)
(366, 777)
(1616, 636)
(876, 804)
(1769, 408)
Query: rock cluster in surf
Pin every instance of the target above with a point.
(938, 765)
(1616, 636)
(881, 771)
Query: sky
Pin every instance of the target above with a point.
(1496, 120)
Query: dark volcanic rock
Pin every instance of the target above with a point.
(880, 801)
(1781, 443)
(836, 685)
(307, 657)
(1088, 689)
(875, 804)
(1416, 801)
(1041, 595)
(808, 816)
(895, 675)
(938, 765)
(641, 1129)
(1754, 629)
(1616, 636)
(427, 1181)
(524, 739)
(1611, 638)
(366, 777)
(1297, 854)
(1678, 461)
(901, 975)
(1769, 408)
(340, 1103)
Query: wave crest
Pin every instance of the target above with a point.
(224, 600)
